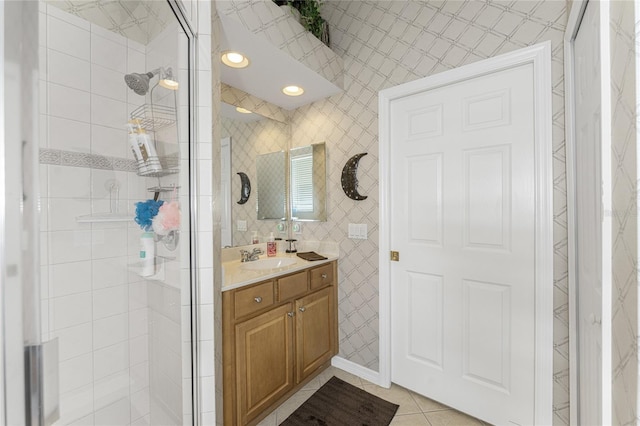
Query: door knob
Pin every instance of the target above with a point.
(258, 299)
(302, 309)
(324, 276)
(290, 314)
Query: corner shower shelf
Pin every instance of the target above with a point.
(104, 217)
(163, 188)
(154, 117)
(160, 173)
(158, 268)
(169, 166)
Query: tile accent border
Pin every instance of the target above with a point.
(58, 157)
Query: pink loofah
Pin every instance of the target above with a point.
(167, 219)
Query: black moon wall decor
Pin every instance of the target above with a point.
(245, 189)
(349, 178)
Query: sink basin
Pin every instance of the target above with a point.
(268, 263)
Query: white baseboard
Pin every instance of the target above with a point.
(356, 369)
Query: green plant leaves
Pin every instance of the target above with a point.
(311, 19)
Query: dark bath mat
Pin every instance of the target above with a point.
(337, 403)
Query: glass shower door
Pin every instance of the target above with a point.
(114, 164)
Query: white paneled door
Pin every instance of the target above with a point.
(462, 196)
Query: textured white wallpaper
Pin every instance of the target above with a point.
(625, 213)
(386, 43)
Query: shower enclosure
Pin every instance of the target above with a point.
(107, 314)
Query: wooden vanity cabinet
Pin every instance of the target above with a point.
(315, 332)
(264, 355)
(277, 335)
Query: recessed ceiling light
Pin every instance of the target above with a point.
(292, 90)
(243, 110)
(234, 59)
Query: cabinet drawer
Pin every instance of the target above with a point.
(253, 299)
(321, 276)
(292, 286)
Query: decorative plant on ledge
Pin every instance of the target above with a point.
(310, 17)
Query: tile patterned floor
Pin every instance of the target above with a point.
(414, 410)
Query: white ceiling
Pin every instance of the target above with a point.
(270, 69)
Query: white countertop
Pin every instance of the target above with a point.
(234, 276)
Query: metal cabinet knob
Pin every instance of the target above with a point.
(290, 314)
(302, 309)
(258, 299)
(324, 276)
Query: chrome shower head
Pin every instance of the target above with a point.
(139, 83)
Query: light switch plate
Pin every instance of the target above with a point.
(358, 231)
(352, 230)
(241, 225)
(363, 231)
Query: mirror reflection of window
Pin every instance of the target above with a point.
(308, 183)
(302, 182)
(302, 191)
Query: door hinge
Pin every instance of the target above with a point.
(395, 256)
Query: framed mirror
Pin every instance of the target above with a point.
(306, 197)
(252, 136)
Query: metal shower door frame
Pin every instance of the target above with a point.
(21, 366)
(188, 27)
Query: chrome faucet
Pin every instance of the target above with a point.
(246, 256)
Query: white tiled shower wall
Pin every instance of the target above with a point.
(106, 317)
(90, 301)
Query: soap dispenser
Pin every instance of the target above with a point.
(271, 246)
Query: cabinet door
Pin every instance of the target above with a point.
(315, 331)
(264, 361)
